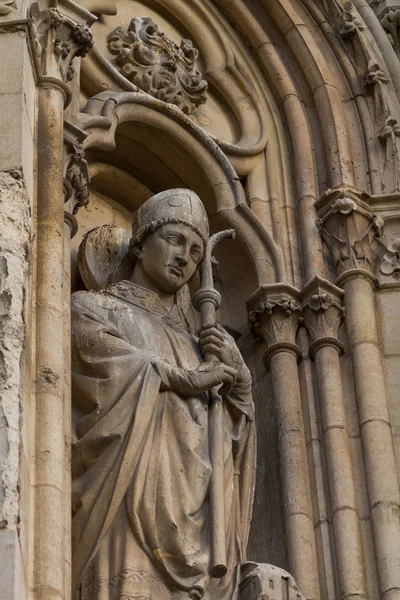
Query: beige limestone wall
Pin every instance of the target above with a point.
(17, 217)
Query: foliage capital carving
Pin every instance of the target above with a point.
(61, 33)
(323, 312)
(149, 59)
(274, 312)
(349, 228)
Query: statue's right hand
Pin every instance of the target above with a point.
(209, 375)
(196, 381)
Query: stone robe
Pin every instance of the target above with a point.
(141, 463)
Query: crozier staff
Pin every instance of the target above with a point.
(141, 460)
(207, 300)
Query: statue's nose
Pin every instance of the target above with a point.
(182, 260)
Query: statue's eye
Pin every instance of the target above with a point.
(195, 255)
(173, 239)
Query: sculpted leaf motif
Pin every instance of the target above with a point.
(391, 260)
(158, 66)
(6, 7)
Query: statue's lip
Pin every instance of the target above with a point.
(176, 270)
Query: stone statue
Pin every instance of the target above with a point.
(141, 459)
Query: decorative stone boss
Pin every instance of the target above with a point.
(142, 470)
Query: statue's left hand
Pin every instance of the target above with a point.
(215, 341)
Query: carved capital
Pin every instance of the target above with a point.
(348, 228)
(61, 33)
(76, 173)
(155, 64)
(323, 312)
(274, 312)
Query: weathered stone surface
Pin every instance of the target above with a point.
(267, 582)
(303, 100)
(15, 248)
(196, 454)
(13, 576)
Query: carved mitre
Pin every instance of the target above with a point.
(171, 206)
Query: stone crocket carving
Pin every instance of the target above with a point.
(141, 459)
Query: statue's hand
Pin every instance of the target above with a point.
(194, 382)
(215, 341)
(207, 376)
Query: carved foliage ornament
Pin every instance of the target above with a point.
(391, 260)
(58, 40)
(349, 21)
(6, 6)
(323, 314)
(276, 321)
(153, 62)
(348, 231)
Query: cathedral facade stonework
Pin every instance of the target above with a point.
(174, 424)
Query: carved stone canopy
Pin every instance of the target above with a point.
(158, 66)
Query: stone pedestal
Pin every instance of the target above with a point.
(265, 582)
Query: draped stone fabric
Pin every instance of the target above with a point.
(141, 464)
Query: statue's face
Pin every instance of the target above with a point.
(169, 257)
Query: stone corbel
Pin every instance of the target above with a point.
(76, 174)
(61, 33)
(323, 312)
(274, 312)
(349, 229)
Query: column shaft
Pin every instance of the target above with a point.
(378, 449)
(50, 444)
(295, 476)
(346, 525)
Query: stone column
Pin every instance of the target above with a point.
(274, 313)
(323, 312)
(376, 430)
(348, 229)
(62, 34)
